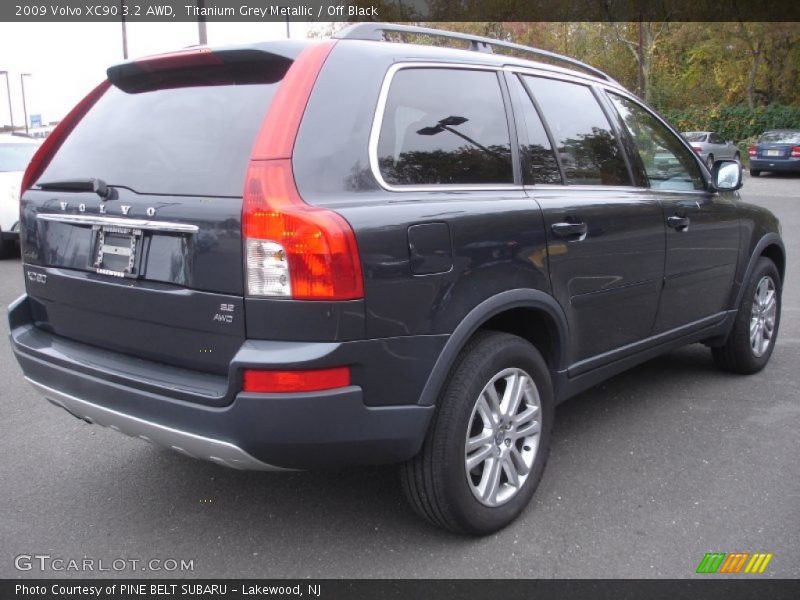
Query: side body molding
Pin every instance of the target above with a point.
(519, 298)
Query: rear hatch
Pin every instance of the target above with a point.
(135, 222)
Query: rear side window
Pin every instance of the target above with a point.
(667, 161)
(183, 135)
(444, 126)
(539, 163)
(589, 153)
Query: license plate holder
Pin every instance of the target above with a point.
(117, 251)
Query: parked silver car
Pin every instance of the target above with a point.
(710, 147)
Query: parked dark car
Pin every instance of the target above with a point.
(295, 255)
(777, 150)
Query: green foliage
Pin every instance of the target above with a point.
(737, 122)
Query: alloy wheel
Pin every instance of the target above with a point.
(762, 316)
(503, 437)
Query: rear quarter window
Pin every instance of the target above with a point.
(444, 126)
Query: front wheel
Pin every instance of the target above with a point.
(486, 449)
(752, 339)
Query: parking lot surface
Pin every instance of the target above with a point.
(648, 472)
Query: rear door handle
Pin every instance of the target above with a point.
(565, 230)
(678, 223)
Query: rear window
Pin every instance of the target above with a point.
(445, 126)
(186, 136)
(15, 157)
(694, 136)
(781, 137)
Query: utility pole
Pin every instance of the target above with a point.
(22, 77)
(10, 110)
(124, 30)
(202, 34)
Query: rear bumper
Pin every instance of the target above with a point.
(763, 164)
(253, 431)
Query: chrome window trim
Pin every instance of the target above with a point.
(162, 226)
(377, 123)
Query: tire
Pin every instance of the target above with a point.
(710, 162)
(6, 248)
(436, 481)
(755, 172)
(741, 353)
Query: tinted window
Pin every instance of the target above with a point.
(15, 157)
(190, 139)
(715, 139)
(539, 163)
(668, 163)
(589, 153)
(445, 126)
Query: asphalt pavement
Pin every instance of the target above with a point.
(648, 472)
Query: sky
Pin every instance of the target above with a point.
(66, 60)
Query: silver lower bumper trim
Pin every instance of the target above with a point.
(190, 444)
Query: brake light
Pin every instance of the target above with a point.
(292, 249)
(193, 57)
(53, 141)
(295, 381)
(697, 149)
(752, 151)
(796, 152)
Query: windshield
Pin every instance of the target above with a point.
(15, 157)
(781, 137)
(694, 136)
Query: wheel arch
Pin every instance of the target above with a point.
(542, 323)
(771, 246)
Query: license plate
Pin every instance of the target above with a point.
(117, 251)
(774, 152)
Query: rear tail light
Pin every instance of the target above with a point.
(292, 249)
(752, 151)
(697, 149)
(295, 381)
(796, 152)
(53, 141)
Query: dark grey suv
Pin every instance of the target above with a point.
(297, 255)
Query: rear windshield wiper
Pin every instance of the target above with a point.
(98, 186)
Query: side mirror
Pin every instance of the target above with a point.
(727, 175)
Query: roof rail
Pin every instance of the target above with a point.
(376, 32)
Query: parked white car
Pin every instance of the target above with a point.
(710, 147)
(15, 154)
